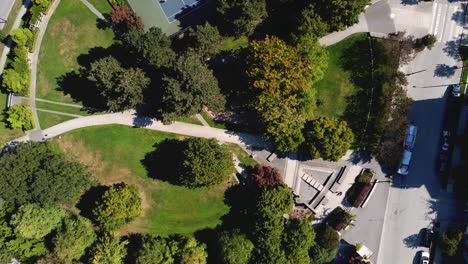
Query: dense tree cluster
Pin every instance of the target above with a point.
(242, 16)
(34, 173)
(121, 88)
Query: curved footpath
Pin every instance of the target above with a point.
(129, 118)
(35, 60)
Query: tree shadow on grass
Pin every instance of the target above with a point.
(89, 199)
(164, 161)
(80, 89)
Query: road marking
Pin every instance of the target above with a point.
(444, 23)
(436, 24)
(434, 10)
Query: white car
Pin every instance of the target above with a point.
(424, 258)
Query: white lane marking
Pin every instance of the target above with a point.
(434, 10)
(444, 23)
(436, 24)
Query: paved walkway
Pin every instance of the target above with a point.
(202, 120)
(35, 59)
(16, 24)
(129, 118)
(94, 10)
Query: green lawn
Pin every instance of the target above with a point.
(243, 156)
(61, 108)
(7, 134)
(48, 119)
(102, 5)
(190, 120)
(336, 85)
(116, 153)
(211, 122)
(231, 43)
(72, 31)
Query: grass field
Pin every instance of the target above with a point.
(336, 85)
(48, 119)
(61, 108)
(6, 134)
(211, 122)
(72, 31)
(102, 5)
(115, 153)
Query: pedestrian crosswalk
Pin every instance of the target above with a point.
(447, 22)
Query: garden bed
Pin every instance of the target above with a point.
(361, 188)
(339, 219)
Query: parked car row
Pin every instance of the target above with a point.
(408, 146)
(443, 155)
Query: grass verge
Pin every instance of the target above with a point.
(49, 119)
(62, 108)
(115, 154)
(9, 22)
(245, 159)
(102, 5)
(336, 85)
(190, 120)
(6, 133)
(211, 122)
(72, 31)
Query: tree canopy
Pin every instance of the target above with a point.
(299, 238)
(119, 205)
(189, 86)
(14, 81)
(204, 163)
(34, 173)
(266, 176)
(205, 39)
(328, 138)
(339, 14)
(152, 47)
(235, 248)
(21, 36)
(121, 88)
(282, 81)
(109, 249)
(241, 16)
(72, 239)
(125, 19)
(20, 116)
(34, 222)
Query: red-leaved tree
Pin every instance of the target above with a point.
(125, 19)
(266, 176)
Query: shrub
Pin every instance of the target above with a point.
(429, 40)
(20, 116)
(126, 19)
(339, 218)
(451, 240)
(21, 36)
(327, 238)
(32, 42)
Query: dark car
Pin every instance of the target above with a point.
(426, 237)
(455, 90)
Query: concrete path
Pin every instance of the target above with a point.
(57, 112)
(35, 60)
(202, 120)
(16, 24)
(129, 118)
(94, 10)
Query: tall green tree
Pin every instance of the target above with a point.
(298, 240)
(20, 116)
(15, 82)
(204, 163)
(327, 238)
(109, 249)
(152, 47)
(205, 39)
(242, 16)
(339, 14)
(189, 86)
(121, 88)
(282, 81)
(191, 251)
(235, 248)
(119, 205)
(329, 138)
(156, 250)
(73, 238)
(21, 36)
(315, 55)
(311, 24)
(32, 221)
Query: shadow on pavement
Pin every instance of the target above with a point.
(444, 70)
(412, 241)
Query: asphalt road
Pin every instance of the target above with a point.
(414, 201)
